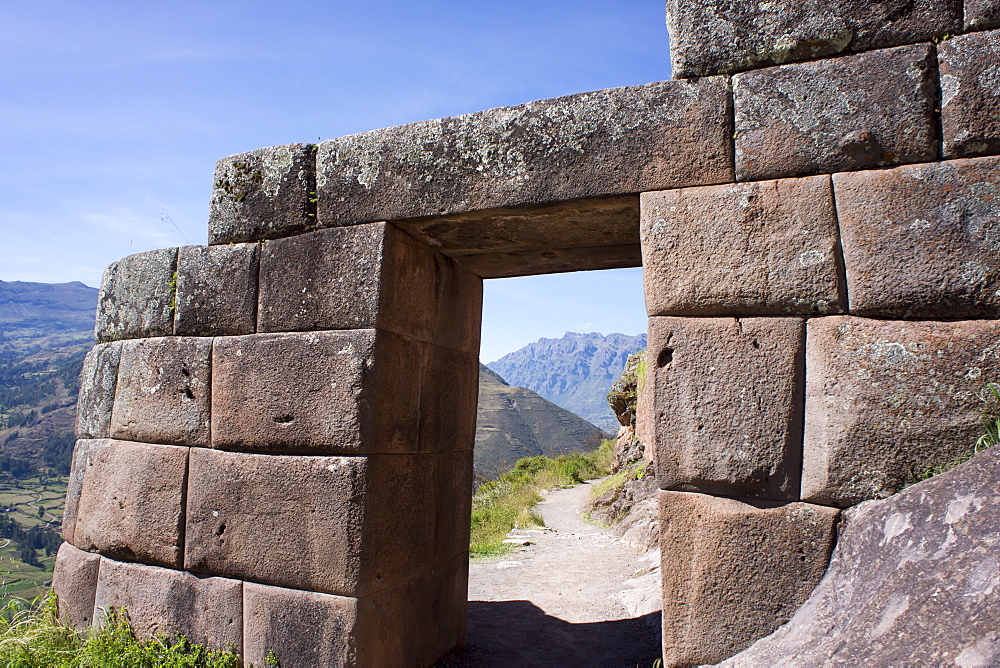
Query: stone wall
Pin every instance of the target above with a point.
(276, 429)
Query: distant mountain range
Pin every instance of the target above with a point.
(45, 332)
(514, 422)
(575, 372)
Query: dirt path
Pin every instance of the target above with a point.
(575, 596)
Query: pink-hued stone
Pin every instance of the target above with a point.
(162, 394)
(767, 248)
(126, 500)
(920, 241)
(887, 401)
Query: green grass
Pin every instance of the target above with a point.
(18, 579)
(501, 505)
(31, 636)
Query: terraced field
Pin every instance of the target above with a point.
(32, 502)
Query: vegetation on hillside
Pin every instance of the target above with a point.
(32, 637)
(505, 504)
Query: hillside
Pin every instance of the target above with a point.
(575, 372)
(514, 422)
(45, 332)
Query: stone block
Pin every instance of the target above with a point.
(981, 14)
(449, 388)
(921, 241)
(720, 37)
(767, 248)
(453, 504)
(887, 401)
(163, 391)
(411, 624)
(137, 297)
(622, 140)
(126, 500)
(970, 94)
(97, 390)
(75, 584)
(74, 485)
(340, 525)
(216, 290)
(367, 276)
(346, 392)
(866, 110)
(507, 264)
(727, 400)
(263, 194)
(734, 571)
(206, 611)
(902, 566)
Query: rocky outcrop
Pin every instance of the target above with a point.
(915, 580)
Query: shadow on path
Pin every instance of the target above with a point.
(519, 633)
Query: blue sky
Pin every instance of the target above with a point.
(112, 115)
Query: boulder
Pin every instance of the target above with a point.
(666, 134)
(914, 580)
(97, 390)
(735, 570)
(216, 290)
(727, 404)
(137, 296)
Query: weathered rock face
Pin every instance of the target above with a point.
(726, 404)
(866, 110)
(124, 500)
(205, 610)
(722, 36)
(75, 584)
(97, 391)
(981, 14)
(914, 580)
(162, 393)
(137, 296)
(216, 290)
(888, 400)
(262, 194)
(368, 276)
(735, 570)
(616, 141)
(970, 94)
(921, 241)
(765, 248)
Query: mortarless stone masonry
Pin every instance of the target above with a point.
(276, 431)
(866, 110)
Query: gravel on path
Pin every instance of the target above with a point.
(575, 595)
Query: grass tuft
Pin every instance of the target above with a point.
(31, 636)
(501, 505)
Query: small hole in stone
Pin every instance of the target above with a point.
(283, 419)
(756, 344)
(665, 358)
(188, 393)
(221, 530)
(186, 373)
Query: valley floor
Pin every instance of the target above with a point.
(577, 595)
